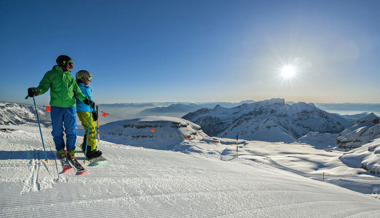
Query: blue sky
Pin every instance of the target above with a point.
(196, 51)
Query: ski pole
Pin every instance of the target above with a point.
(88, 132)
(97, 122)
(39, 126)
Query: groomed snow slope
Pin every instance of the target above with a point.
(141, 182)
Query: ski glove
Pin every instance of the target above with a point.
(89, 102)
(95, 116)
(33, 91)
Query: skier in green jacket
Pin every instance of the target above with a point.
(63, 89)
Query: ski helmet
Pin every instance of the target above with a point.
(64, 60)
(83, 75)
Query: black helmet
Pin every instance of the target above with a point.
(63, 60)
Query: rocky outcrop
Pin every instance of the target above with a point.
(363, 131)
(367, 157)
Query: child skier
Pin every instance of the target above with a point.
(84, 111)
(63, 89)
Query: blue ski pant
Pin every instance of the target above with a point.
(64, 119)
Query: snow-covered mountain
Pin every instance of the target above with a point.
(363, 131)
(180, 109)
(156, 132)
(12, 113)
(350, 108)
(270, 120)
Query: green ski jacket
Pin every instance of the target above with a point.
(63, 88)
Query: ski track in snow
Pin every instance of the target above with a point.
(140, 182)
(32, 183)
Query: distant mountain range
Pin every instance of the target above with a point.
(350, 107)
(271, 120)
(180, 109)
(126, 105)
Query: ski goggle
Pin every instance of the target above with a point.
(89, 78)
(70, 64)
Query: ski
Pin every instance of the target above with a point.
(80, 169)
(98, 161)
(66, 167)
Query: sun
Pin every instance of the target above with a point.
(288, 71)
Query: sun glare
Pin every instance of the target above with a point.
(288, 71)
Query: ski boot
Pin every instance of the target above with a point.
(93, 154)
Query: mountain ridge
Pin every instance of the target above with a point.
(269, 120)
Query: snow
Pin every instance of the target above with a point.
(200, 177)
(319, 140)
(367, 156)
(168, 131)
